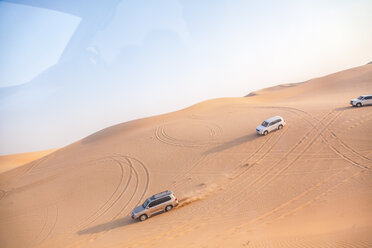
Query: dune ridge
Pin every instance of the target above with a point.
(9, 162)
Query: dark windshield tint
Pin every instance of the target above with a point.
(265, 124)
(144, 205)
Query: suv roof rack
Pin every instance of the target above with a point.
(164, 193)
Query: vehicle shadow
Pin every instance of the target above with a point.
(351, 107)
(107, 226)
(343, 108)
(231, 143)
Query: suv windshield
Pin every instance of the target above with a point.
(360, 98)
(144, 205)
(265, 124)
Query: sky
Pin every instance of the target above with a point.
(99, 63)
(32, 39)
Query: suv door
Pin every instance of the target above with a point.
(159, 205)
(368, 100)
(154, 207)
(165, 201)
(273, 125)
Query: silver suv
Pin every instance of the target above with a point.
(362, 100)
(273, 123)
(163, 201)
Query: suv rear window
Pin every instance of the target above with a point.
(165, 199)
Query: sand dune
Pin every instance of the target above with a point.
(8, 162)
(308, 185)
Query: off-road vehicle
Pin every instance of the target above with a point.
(362, 101)
(162, 202)
(273, 123)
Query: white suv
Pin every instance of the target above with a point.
(273, 123)
(362, 101)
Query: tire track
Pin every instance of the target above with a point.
(356, 121)
(147, 178)
(238, 172)
(300, 197)
(38, 163)
(135, 187)
(35, 164)
(2, 194)
(325, 128)
(263, 145)
(105, 207)
(52, 227)
(34, 241)
(303, 205)
(349, 148)
(186, 173)
(341, 143)
(267, 152)
(165, 138)
(273, 176)
(343, 149)
(191, 227)
(267, 173)
(162, 136)
(260, 158)
(296, 111)
(325, 185)
(312, 141)
(325, 182)
(269, 217)
(135, 172)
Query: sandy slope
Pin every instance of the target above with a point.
(8, 162)
(307, 185)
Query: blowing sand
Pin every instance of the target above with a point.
(307, 185)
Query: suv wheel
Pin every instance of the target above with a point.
(143, 217)
(280, 126)
(168, 208)
(359, 104)
(265, 133)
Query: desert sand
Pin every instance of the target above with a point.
(307, 185)
(8, 162)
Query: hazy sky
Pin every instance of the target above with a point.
(31, 40)
(162, 55)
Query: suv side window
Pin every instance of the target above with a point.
(367, 98)
(164, 199)
(159, 201)
(274, 122)
(154, 203)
